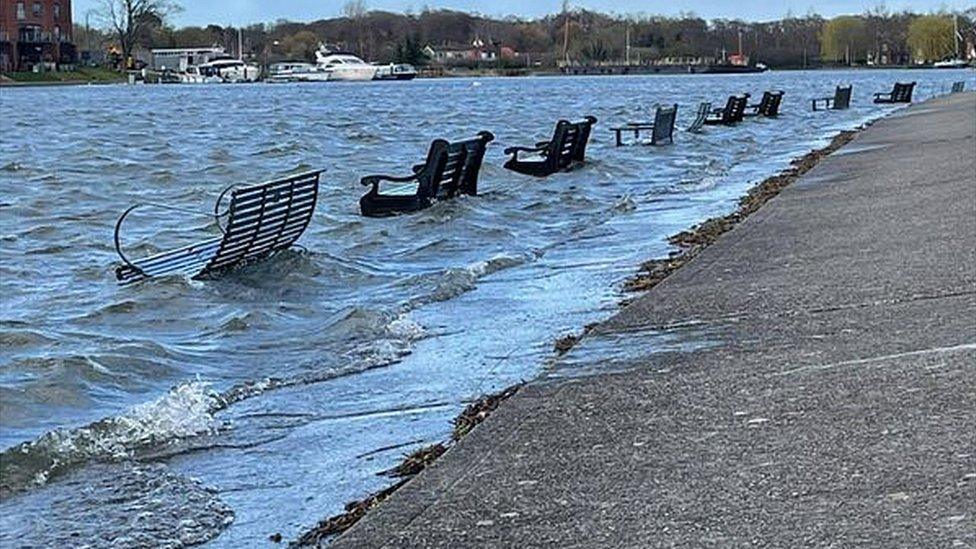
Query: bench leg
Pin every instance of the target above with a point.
(619, 142)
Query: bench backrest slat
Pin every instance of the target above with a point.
(452, 168)
(769, 105)
(264, 219)
(902, 92)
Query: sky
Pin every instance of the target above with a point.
(243, 12)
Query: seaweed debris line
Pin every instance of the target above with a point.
(411, 465)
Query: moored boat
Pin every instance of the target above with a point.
(395, 71)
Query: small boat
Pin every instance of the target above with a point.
(193, 75)
(222, 69)
(343, 66)
(395, 71)
(954, 63)
(289, 71)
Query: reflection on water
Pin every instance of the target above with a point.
(274, 385)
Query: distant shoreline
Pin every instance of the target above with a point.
(7, 82)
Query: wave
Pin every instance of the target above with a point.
(186, 410)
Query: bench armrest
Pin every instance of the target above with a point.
(374, 180)
(515, 150)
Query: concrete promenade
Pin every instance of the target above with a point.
(834, 407)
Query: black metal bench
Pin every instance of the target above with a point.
(565, 150)
(451, 169)
(901, 93)
(261, 220)
(768, 106)
(840, 100)
(958, 87)
(733, 112)
(704, 109)
(662, 128)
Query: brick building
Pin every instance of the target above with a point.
(34, 32)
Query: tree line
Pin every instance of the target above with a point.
(579, 36)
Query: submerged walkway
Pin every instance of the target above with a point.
(835, 407)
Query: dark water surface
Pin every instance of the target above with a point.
(175, 412)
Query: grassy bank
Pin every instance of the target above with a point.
(95, 75)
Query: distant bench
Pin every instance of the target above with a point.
(840, 100)
(565, 150)
(958, 87)
(900, 93)
(662, 128)
(262, 220)
(451, 169)
(733, 112)
(768, 106)
(704, 109)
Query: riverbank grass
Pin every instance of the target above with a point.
(83, 75)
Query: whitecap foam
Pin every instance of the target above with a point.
(186, 410)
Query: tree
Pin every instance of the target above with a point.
(931, 37)
(128, 20)
(355, 11)
(301, 45)
(844, 38)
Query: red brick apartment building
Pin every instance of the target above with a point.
(34, 32)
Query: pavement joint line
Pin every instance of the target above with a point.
(880, 358)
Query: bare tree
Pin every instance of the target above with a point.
(357, 12)
(127, 19)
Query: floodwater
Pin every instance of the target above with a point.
(175, 412)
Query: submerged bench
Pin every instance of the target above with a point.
(261, 221)
(733, 112)
(662, 128)
(840, 100)
(704, 109)
(901, 93)
(958, 87)
(768, 106)
(451, 170)
(565, 150)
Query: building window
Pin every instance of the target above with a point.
(36, 9)
(21, 13)
(57, 33)
(57, 11)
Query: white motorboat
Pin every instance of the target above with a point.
(343, 66)
(288, 71)
(192, 75)
(393, 71)
(227, 69)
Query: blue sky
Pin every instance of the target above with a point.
(237, 12)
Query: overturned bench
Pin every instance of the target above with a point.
(900, 93)
(261, 220)
(451, 170)
(662, 128)
(768, 106)
(566, 150)
(841, 99)
(733, 112)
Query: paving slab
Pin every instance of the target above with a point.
(824, 394)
